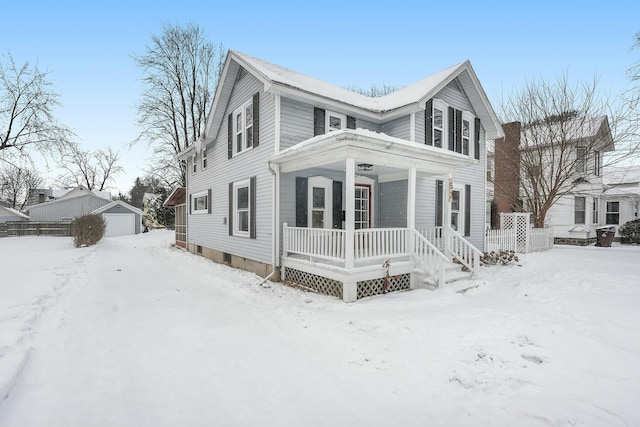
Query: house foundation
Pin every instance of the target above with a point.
(259, 268)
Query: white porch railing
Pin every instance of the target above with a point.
(432, 248)
(371, 243)
(314, 242)
(429, 256)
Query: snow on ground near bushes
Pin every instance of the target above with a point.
(132, 332)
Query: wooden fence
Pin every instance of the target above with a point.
(36, 228)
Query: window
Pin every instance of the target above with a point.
(467, 132)
(579, 210)
(243, 128)
(581, 160)
(335, 121)
(613, 212)
(490, 169)
(596, 163)
(204, 158)
(194, 163)
(200, 202)
(320, 202)
(241, 206)
(594, 215)
(455, 210)
(438, 127)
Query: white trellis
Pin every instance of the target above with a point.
(516, 234)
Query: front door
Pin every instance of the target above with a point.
(362, 206)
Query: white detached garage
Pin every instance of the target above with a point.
(122, 219)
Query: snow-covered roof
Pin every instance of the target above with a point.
(14, 212)
(118, 203)
(79, 191)
(279, 79)
(405, 96)
(569, 130)
(616, 175)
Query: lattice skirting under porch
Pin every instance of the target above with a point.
(331, 287)
(320, 284)
(372, 287)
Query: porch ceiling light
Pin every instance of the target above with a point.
(365, 167)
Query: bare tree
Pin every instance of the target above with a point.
(27, 103)
(180, 74)
(567, 135)
(93, 170)
(375, 90)
(15, 183)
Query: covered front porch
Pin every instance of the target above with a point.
(360, 249)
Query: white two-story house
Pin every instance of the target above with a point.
(303, 180)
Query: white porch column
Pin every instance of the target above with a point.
(411, 199)
(349, 215)
(446, 223)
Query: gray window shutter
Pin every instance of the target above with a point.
(256, 119)
(439, 202)
(231, 209)
(209, 200)
(428, 123)
(301, 201)
(318, 121)
(230, 136)
(476, 138)
(337, 204)
(351, 122)
(252, 208)
(452, 128)
(190, 203)
(459, 131)
(467, 210)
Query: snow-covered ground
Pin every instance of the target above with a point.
(132, 332)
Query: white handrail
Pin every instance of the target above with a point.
(430, 256)
(463, 251)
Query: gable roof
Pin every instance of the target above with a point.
(14, 212)
(118, 203)
(79, 191)
(177, 197)
(282, 80)
(570, 130)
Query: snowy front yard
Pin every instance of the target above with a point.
(132, 332)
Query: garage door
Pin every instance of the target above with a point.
(120, 224)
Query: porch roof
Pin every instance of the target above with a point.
(369, 147)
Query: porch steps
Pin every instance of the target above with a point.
(453, 273)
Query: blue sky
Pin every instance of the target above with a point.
(87, 47)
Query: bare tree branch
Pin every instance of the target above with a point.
(179, 81)
(15, 183)
(92, 170)
(27, 103)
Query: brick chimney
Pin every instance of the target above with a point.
(507, 168)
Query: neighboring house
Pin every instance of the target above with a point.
(41, 195)
(577, 214)
(9, 214)
(81, 201)
(297, 176)
(178, 200)
(621, 199)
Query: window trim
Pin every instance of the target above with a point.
(581, 160)
(444, 107)
(611, 212)
(582, 211)
(327, 121)
(242, 112)
(327, 184)
(236, 222)
(194, 204)
(204, 158)
(467, 116)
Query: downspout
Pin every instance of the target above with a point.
(276, 229)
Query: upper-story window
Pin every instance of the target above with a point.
(204, 158)
(335, 121)
(596, 163)
(581, 160)
(447, 127)
(194, 163)
(243, 128)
